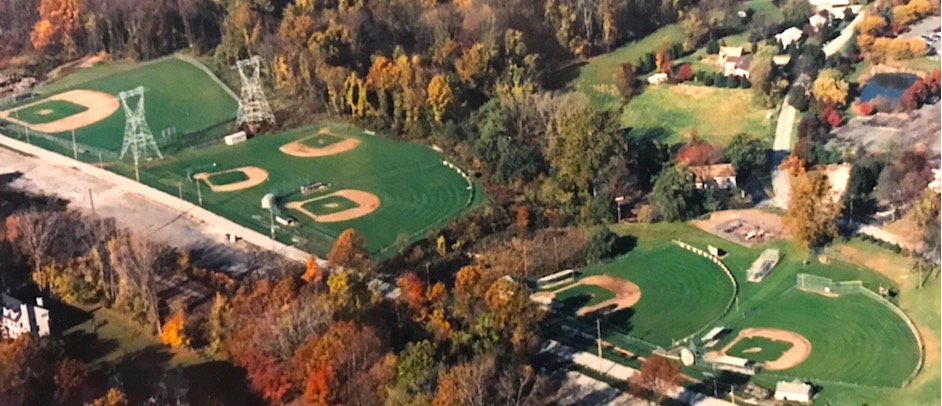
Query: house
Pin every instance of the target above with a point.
(657, 79)
(794, 391)
(936, 184)
(781, 60)
(789, 36)
(728, 52)
(20, 318)
(719, 176)
(820, 19)
(828, 4)
(737, 66)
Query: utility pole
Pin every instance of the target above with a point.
(91, 201)
(526, 272)
(74, 149)
(101, 162)
(556, 250)
(598, 340)
(426, 274)
(180, 189)
(271, 220)
(137, 171)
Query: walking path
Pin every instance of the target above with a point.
(782, 145)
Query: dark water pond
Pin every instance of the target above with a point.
(889, 86)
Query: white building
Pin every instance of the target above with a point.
(20, 318)
(819, 20)
(794, 391)
(657, 79)
(789, 36)
(720, 176)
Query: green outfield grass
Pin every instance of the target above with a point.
(322, 140)
(770, 349)
(178, 95)
(329, 204)
(858, 344)
(417, 193)
(54, 109)
(226, 178)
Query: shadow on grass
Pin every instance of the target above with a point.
(88, 347)
(561, 78)
(720, 385)
(624, 244)
(219, 383)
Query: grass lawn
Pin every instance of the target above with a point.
(329, 204)
(583, 295)
(48, 111)
(417, 193)
(322, 140)
(716, 114)
(854, 338)
(597, 78)
(179, 95)
(768, 349)
(226, 178)
(767, 7)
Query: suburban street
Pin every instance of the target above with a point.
(786, 122)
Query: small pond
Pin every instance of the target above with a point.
(889, 86)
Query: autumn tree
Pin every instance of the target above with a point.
(60, 24)
(656, 379)
(312, 271)
(513, 311)
(627, 80)
(439, 96)
(698, 152)
(137, 260)
(69, 377)
(811, 211)
(215, 323)
(349, 251)
(114, 397)
(587, 144)
(412, 291)
(173, 332)
(27, 370)
(830, 87)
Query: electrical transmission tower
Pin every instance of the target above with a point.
(253, 107)
(137, 136)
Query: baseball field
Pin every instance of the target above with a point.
(324, 178)
(182, 102)
(846, 339)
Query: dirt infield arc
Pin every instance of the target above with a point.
(255, 176)
(796, 354)
(299, 149)
(626, 293)
(366, 204)
(98, 105)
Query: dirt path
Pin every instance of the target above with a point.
(299, 149)
(626, 293)
(366, 204)
(255, 175)
(99, 106)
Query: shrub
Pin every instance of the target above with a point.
(684, 73)
(865, 109)
(798, 98)
(744, 83)
(719, 80)
(708, 81)
(732, 82)
(647, 213)
(713, 47)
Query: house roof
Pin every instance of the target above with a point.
(731, 51)
(744, 62)
(790, 35)
(781, 59)
(735, 361)
(712, 171)
(793, 387)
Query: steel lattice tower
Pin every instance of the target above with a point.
(253, 106)
(137, 136)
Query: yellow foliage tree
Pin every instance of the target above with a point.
(59, 21)
(473, 62)
(173, 332)
(439, 96)
(811, 211)
(381, 79)
(114, 397)
(830, 87)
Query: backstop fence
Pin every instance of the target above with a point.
(826, 286)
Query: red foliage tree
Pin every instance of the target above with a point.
(318, 384)
(834, 118)
(412, 291)
(865, 109)
(697, 152)
(684, 73)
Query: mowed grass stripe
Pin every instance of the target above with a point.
(853, 338)
(416, 191)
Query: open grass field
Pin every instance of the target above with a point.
(179, 94)
(322, 140)
(759, 349)
(716, 114)
(226, 178)
(48, 111)
(861, 350)
(598, 76)
(416, 191)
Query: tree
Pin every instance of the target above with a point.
(416, 370)
(684, 73)
(858, 197)
(349, 251)
(216, 322)
(601, 245)
(747, 154)
(69, 377)
(585, 145)
(811, 211)
(59, 24)
(467, 383)
(656, 379)
(27, 368)
(113, 397)
(173, 332)
(312, 271)
(698, 152)
(627, 80)
(830, 87)
(674, 194)
(439, 96)
(137, 260)
(412, 292)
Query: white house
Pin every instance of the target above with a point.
(20, 318)
(657, 78)
(788, 36)
(737, 66)
(728, 52)
(820, 19)
(721, 176)
(794, 391)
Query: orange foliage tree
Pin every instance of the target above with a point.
(348, 251)
(59, 21)
(657, 377)
(312, 271)
(173, 332)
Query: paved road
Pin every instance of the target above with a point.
(786, 122)
(91, 195)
